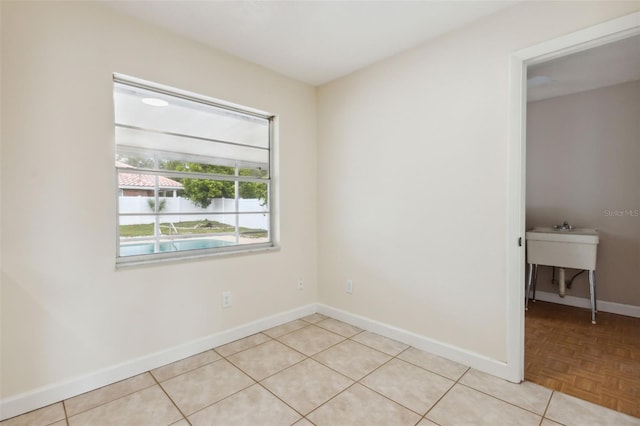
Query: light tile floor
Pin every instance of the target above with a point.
(320, 371)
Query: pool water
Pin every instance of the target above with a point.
(178, 245)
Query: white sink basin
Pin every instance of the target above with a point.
(565, 249)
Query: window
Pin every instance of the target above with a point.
(193, 174)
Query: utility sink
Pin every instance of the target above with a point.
(563, 247)
(574, 248)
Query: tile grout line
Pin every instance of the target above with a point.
(431, 371)
(186, 371)
(284, 334)
(500, 399)
(247, 349)
(455, 382)
(358, 381)
(333, 397)
(309, 323)
(171, 399)
(66, 416)
(283, 401)
(265, 332)
(546, 408)
(111, 400)
(422, 416)
(241, 350)
(309, 357)
(256, 382)
(270, 375)
(222, 399)
(392, 357)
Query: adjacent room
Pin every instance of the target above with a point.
(301, 212)
(582, 169)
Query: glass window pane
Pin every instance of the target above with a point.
(196, 167)
(138, 233)
(213, 152)
(187, 117)
(254, 228)
(193, 196)
(170, 245)
(136, 226)
(147, 159)
(192, 174)
(197, 225)
(254, 196)
(194, 225)
(137, 191)
(261, 172)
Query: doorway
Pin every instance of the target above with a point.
(609, 32)
(582, 167)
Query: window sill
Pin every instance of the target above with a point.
(127, 263)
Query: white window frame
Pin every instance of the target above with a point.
(123, 261)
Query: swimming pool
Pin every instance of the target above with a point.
(177, 245)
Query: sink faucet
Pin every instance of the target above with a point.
(564, 227)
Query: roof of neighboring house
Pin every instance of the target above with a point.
(137, 180)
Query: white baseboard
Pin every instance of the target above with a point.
(581, 302)
(453, 353)
(41, 397)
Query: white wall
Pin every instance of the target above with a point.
(66, 311)
(423, 138)
(583, 166)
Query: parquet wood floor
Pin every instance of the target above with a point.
(599, 363)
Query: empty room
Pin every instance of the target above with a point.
(309, 213)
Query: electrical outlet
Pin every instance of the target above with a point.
(300, 284)
(227, 300)
(349, 286)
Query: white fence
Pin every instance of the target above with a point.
(258, 220)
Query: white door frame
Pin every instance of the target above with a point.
(607, 32)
